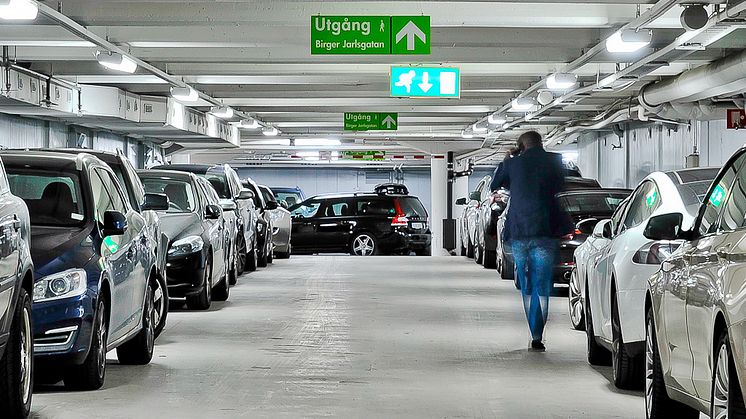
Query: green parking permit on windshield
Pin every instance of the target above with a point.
(718, 195)
(111, 245)
(651, 198)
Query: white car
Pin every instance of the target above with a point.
(616, 282)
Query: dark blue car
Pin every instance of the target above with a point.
(94, 268)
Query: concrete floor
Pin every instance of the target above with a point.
(320, 336)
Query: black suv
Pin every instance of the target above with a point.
(362, 224)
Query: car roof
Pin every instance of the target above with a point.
(192, 168)
(693, 175)
(595, 191)
(171, 174)
(50, 159)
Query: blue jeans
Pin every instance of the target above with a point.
(534, 265)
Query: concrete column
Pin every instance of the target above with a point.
(439, 202)
(460, 190)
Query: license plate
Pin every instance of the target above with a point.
(418, 226)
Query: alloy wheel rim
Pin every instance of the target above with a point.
(242, 251)
(208, 282)
(364, 246)
(721, 385)
(576, 305)
(649, 354)
(101, 337)
(26, 355)
(159, 303)
(615, 340)
(149, 319)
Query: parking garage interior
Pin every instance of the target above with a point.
(305, 125)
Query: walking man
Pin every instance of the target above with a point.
(533, 225)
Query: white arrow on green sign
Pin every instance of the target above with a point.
(363, 35)
(371, 121)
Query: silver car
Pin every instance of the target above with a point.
(695, 307)
(282, 224)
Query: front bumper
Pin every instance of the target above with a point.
(185, 275)
(62, 330)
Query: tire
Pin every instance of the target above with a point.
(462, 249)
(251, 260)
(263, 259)
(657, 403)
(428, 251)
(233, 273)
(241, 253)
(222, 290)
(478, 253)
(203, 300)
(139, 350)
(160, 305)
(597, 354)
(627, 370)
(726, 398)
(364, 244)
(283, 255)
(507, 270)
(469, 249)
(271, 255)
(17, 363)
(575, 302)
(90, 375)
(490, 259)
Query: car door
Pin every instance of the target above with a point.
(11, 211)
(214, 228)
(304, 216)
(713, 256)
(335, 225)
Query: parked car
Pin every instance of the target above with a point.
(282, 224)
(16, 291)
(291, 196)
(198, 261)
(228, 186)
(694, 306)
(362, 224)
(504, 254)
(95, 271)
(470, 218)
(136, 196)
(230, 230)
(264, 227)
(616, 285)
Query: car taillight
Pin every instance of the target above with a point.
(655, 253)
(578, 232)
(400, 221)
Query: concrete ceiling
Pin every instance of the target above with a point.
(255, 57)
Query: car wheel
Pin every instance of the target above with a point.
(271, 255)
(428, 251)
(91, 374)
(478, 253)
(597, 354)
(490, 259)
(727, 399)
(575, 302)
(203, 300)
(233, 273)
(363, 244)
(657, 403)
(626, 369)
(222, 291)
(251, 259)
(469, 249)
(160, 304)
(507, 270)
(17, 364)
(139, 350)
(263, 259)
(242, 253)
(462, 249)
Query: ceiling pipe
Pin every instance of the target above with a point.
(701, 111)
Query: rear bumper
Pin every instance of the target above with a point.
(400, 241)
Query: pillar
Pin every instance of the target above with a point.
(439, 201)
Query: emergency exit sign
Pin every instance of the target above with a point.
(364, 35)
(371, 121)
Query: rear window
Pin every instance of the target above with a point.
(592, 203)
(412, 207)
(290, 197)
(180, 193)
(376, 206)
(219, 181)
(53, 198)
(697, 175)
(692, 194)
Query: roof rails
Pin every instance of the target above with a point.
(391, 189)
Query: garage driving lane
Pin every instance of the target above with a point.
(357, 337)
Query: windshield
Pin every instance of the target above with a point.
(592, 203)
(180, 193)
(291, 198)
(53, 198)
(268, 197)
(412, 207)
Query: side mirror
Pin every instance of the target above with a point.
(155, 202)
(601, 229)
(586, 226)
(228, 205)
(475, 196)
(245, 194)
(115, 224)
(664, 227)
(607, 233)
(213, 212)
(284, 204)
(272, 205)
(461, 201)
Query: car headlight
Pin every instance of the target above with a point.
(70, 283)
(186, 246)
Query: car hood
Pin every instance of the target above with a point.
(56, 249)
(177, 226)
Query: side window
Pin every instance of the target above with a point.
(101, 198)
(112, 187)
(638, 205)
(306, 209)
(337, 208)
(4, 186)
(714, 202)
(138, 192)
(734, 209)
(617, 217)
(376, 207)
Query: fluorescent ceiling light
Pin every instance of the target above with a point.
(275, 141)
(523, 104)
(223, 112)
(561, 81)
(628, 41)
(249, 123)
(270, 131)
(317, 142)
(308, 154)
(466, 134)
(184, 94)
(116, 61)
(506, 125)
(18, 10)
(496, 119)
(479, 129)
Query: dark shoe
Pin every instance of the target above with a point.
(537, 346)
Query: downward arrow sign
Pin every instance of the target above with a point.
(388, 121)
(425, 85)
(410, 31)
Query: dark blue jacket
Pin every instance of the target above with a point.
(534, 178)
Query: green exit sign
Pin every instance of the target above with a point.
(371, 121)
(362, 35)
